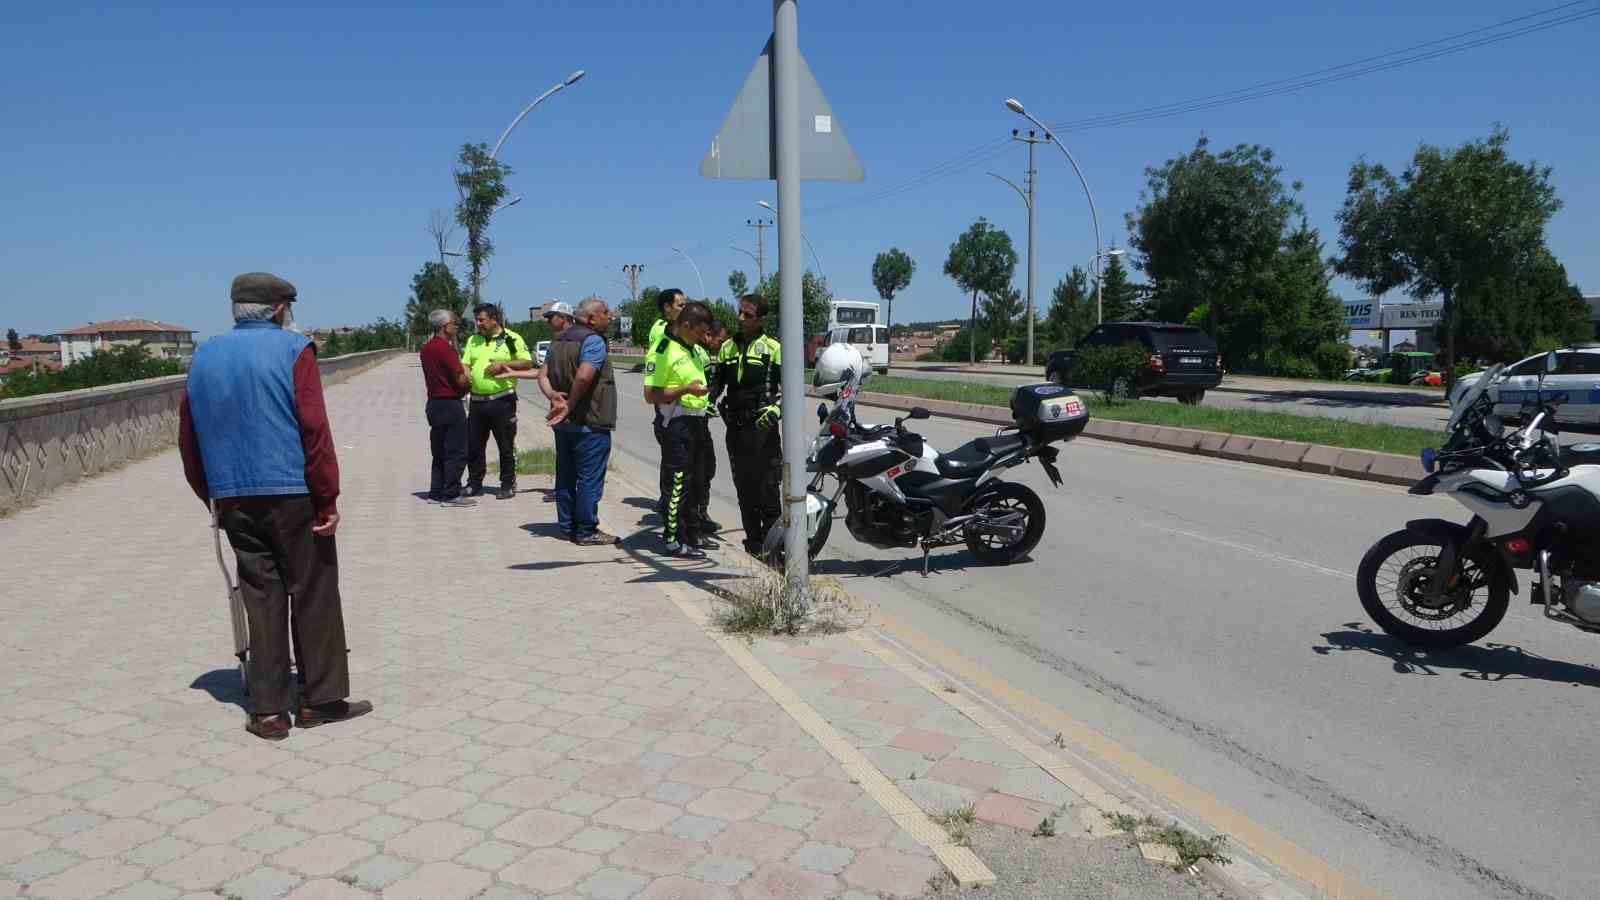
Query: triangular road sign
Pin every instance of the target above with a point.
(744, 148)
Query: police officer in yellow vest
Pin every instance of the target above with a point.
(669, 302)
(678, 387)
(748, 371)
(490, 357)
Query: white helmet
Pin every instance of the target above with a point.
(837, 366)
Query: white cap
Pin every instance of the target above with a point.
(559, 308)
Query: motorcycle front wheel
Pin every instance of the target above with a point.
(1393, 584)
(1018, 512)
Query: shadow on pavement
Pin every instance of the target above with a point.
(1489, 662)
(546, 530)
(223, 685)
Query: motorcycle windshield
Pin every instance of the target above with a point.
(1472, 395)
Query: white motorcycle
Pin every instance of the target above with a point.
(1535, 505)
(901, 492)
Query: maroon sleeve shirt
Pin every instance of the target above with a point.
(322, 465)
(440, 368)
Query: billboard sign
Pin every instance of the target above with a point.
(1361, 314)
(1411, 315)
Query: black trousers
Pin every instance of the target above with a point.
(447, 436)
(756, 455)
(279, 559)
(663, 476)
(688, 441)
(497, 417)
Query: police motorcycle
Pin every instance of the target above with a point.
(1535, 505)
(899, 491)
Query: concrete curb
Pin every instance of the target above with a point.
(1363, 465)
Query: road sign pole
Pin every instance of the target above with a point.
(791, 306)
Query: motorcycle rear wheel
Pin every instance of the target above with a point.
(1001, 498)
(1392, 582)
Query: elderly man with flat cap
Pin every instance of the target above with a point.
(256, 448)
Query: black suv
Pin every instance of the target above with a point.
(1184, 361)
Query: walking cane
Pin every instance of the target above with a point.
(241, 624)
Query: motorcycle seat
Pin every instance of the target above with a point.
(976, 455)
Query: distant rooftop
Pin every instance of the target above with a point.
(123, 325)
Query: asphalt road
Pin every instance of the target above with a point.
(1203, 613)
(1350, 401)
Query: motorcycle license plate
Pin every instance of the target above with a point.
(1190, 360)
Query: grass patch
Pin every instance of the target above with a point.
(1280, 426)
(538, 461)
(1190, 847)
(958, 822)
(756, 606)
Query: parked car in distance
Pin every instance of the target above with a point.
(539, 350)
(1184, 361)
(1577, 376)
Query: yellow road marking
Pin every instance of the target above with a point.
(963, 865)
(1273, 847)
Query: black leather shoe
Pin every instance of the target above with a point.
(684, 551)
(703, 542)
(326, 713)
(506, 492)
(474, 490)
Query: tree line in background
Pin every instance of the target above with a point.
(1225, 245)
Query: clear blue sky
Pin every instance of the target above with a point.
(155, 150)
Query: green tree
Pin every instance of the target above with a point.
(891, 274)
(1072, 311)
(981, 260)
(1001, 311)
(1452, 222)
(12, 340)
(738, 283)
(815, 295)
(129, 362)
(332, 345)
(434, 287)
(1119, 296)
(1208, 234)
(1512, 315)
(644, 314)
(481, 185)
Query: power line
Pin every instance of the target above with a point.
(1343, 72)
(1261, 90)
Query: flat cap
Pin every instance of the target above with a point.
(261, 287)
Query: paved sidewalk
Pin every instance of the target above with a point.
(548, 723)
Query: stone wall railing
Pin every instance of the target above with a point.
(55, 439)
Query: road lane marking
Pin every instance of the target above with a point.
(1253, 551)
(962, 864)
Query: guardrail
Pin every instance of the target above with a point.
(56, 439)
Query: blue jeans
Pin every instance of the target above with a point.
(581, 458)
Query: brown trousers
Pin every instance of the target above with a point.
(282, 563)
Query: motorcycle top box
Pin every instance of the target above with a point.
(1048, 412)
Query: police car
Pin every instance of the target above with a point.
(1577, 376)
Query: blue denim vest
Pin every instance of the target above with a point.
(241, 396)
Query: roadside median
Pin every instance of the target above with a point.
(1304, 456)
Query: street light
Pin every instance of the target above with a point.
(570, 79)
(774, 210)
(1099, 278)
(1015, 106)
(696, 271)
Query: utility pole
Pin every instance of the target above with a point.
(760, 225)
(1033, 177)
(631, 271)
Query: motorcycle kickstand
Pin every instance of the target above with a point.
(924, 545)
